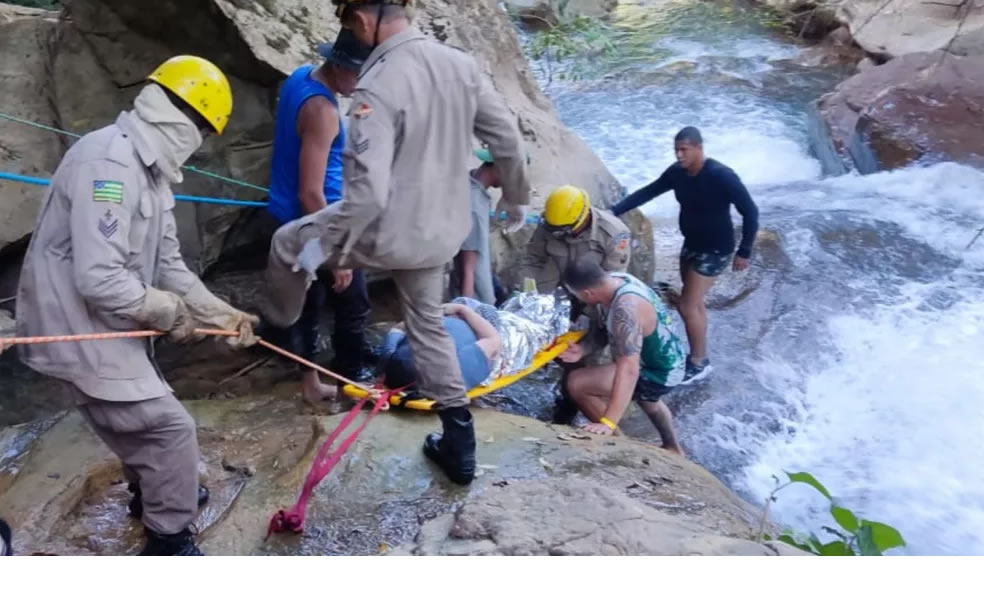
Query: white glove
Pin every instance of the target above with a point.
(310, 258)
(515, 215)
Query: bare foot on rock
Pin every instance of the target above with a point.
(675, 449)
(314, 391)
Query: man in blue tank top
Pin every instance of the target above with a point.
(306, 176)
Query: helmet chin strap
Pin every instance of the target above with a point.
(379, 20)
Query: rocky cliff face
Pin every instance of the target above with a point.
(541, 490)
(893, 28)
(77, 69)
(901, 27)
(917, 97)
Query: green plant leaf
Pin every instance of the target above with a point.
(836, 548)
(845, 517)
(866, 541)
(789, 540)
(816, 543)
(810, 480)
(883, 536)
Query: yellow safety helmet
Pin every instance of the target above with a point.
(567, 206)
(199, 83)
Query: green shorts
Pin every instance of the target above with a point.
(708, 264)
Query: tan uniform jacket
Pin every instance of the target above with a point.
(106, 231)
(412, 118)
(607, 240)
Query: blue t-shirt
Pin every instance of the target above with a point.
(475, 366)
(284, 203)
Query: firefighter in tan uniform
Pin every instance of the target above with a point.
(572, 229)
(105, 257)
(405, 205)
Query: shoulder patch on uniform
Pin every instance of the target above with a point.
(621, 241)
(107, 191)
(363, 111)
(108, 224)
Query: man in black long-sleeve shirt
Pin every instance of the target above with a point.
(705, 189)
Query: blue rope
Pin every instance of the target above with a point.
(530, 219)
(77, 136)
(27, 179)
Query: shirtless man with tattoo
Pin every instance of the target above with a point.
(649, 359)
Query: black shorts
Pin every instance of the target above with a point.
(648, 391)
(708, 264)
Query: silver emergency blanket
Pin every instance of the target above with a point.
(527, 323)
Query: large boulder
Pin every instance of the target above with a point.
(908, 26)
(84, 64)
(542, 489)
(921, 106)
(893, 28)
(24, 71)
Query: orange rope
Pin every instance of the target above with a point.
(285, 353)
(7, 342)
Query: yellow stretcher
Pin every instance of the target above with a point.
(541, 359)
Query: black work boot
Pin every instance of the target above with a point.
(565, 411)
(178, 544)
(454, 451)
(136, 504)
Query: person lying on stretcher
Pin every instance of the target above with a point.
(476, 340)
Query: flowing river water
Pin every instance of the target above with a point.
(853, 347)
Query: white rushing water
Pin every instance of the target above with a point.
(882, 401)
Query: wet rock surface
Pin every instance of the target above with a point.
(541, 489)
(573, 517)
(920, 107)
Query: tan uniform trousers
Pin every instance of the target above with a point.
(158, 444)
(439, 377)
(421, 293)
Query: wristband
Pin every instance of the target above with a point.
(609, 423)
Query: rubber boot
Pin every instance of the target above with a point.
(454, 451)
(136, 505)
(6, 539)
(178, 544)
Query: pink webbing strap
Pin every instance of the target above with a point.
(293, 519)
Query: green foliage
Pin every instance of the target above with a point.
(567, 47)
(853, 537)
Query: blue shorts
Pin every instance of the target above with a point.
(708, 264)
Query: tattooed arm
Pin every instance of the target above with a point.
(626, 342)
